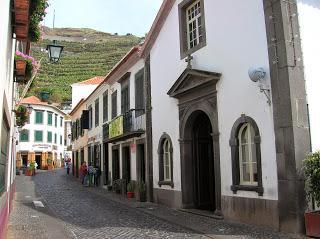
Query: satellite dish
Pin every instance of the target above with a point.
(257, 74)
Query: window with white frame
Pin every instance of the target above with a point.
(245, 146)
(194, 24)
(165, 151)
(166, 160)
(247, 155)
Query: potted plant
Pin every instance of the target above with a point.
(130, 189)
(24, 65)
(312, 173)
(22, 115)
(30, 171)
(37, 14)
(50, 163)
(142, 191)
(116, 186)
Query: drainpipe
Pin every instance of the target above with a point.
(148, 141)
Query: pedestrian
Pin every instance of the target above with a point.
(90, 172)
(68, 166)
(97, 175)
(83, 172)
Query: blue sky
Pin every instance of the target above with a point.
(121, 16)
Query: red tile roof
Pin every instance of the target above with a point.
(32, 100)
(93, 81)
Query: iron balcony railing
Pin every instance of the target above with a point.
(132, 121)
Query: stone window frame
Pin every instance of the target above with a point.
(234, 144)
(184, 49)
(162, 181)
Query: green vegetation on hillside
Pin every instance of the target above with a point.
(87, 53)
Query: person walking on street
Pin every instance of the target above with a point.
(83, 172)
(90, 172)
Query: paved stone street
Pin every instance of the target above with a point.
(73, 211)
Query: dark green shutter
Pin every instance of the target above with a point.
(38, 135)
(39, 117)
(49, 118)
(49, 139)
(114, 104)
(105, 106)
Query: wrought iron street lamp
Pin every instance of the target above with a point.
(54, 51)
(29, 109)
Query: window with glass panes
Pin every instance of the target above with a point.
(39, 117)
(194, 24)
(50, 115)
(24, 135)
(38, 136)
(49, 137)
(166, 160)
(247, 156)
(61, 121)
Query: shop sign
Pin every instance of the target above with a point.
(41, 146)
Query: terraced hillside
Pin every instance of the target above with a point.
(87, 53)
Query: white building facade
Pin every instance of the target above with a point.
(42, 138)
(309, 14)
(221, 142)
(83, 89)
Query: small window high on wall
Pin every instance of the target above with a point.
(192, 26)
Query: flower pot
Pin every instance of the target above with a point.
(29, 172)
(312, 221)
(50, 167)
(20, 67)
(130, 194)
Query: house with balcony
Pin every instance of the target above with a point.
(41, 139)
(112, 121)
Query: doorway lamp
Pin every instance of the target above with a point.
(54, 51)
(258, 74)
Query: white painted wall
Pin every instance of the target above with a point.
(31, 145)
(236, 41)
(309, 19)
(81, 91)
(7, 87)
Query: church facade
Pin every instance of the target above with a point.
(229, 110)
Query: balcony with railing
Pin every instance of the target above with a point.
(128, 125)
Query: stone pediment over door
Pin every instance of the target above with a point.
(192, 80)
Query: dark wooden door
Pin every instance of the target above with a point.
(203, 164)
(141, 162)
(106, 162)
(126, 174)
(115, 164)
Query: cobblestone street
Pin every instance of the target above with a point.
(73, 211)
